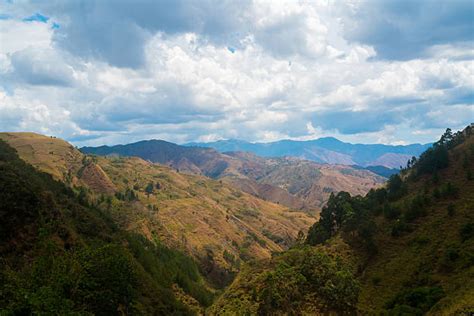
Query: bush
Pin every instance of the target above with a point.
(395, 187)
(449, 190)
(416, 301)
(467, 231)
(415, 210)
(400, 227)
(391, 212)
(317, 234)
(306, 273)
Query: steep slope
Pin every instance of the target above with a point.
(218, 225)
(49, 154)
(406, 249)
(310, 182)
(60, 256)
(295, 183)
(325, 150)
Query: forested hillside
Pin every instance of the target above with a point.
(405, 249)
(62, 256)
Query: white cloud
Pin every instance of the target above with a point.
(291, 73)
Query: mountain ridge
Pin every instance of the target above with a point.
(404, 249)
(213, 222)
(326, 149)
(277, 179)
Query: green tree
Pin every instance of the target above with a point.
(149, 188)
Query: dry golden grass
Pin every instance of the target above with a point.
(48, 154)
(204, 217)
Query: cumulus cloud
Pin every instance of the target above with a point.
(117, 31)
(41, 67)
(119, 71)
(405, 29)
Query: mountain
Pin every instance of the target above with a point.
(405, 249)
(380, 170)
(219, 226)
(62, 256)
(326, 150)
(296, 183)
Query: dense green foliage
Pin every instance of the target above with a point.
(62, 256)
(302, 274)
(350, 215)
(401, 220)
(355, 215)
(415, 301)
(436, 157)
(301, 280)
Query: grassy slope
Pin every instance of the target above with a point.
(431, 255)
(292, 182)
(308, 181)
(215, 223)
(48, 154)
(59, 256)
(407, 260)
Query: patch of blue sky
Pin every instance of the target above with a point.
(37, 17)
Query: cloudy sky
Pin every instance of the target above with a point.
(107, 72)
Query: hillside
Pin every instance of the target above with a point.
(61, 256)
(326, 150)
(406, 249)
(217, 224)
(296, 183)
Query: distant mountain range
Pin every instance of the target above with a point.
(290, 181)
(326, 150)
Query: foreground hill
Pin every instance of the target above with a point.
(295, 183)
(61, 256)
(215, 223)
(326, 150)
(407, 249)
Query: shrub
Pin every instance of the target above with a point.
(317, 235)
(395, 187)
(391, 212)
(415, 301)
(415, 210)
(304, 273)
(400, 227)
(449, 190)
(466, 231)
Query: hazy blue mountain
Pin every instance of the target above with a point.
(326, 150)
(380, 170)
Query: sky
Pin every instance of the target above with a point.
(116, 71)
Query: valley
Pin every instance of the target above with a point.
(354, 244)
(292, 182)
(237, 158)
(405, 249)
(221, 227)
